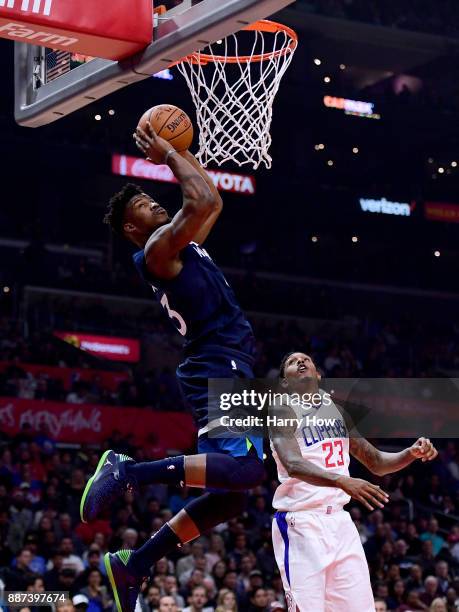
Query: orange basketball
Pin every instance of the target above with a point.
(171, 123)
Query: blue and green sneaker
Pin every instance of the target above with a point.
(125, 586)
(108, 483)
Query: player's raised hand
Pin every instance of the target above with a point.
(423, 449)
(151, 145)
(368, 494)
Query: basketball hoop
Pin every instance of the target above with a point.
(234, 93)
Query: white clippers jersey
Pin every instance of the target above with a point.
(326, 445)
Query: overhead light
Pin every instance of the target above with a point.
(317, 147)
(355, 150)
(111, 112)
(314, 239)
(330, 162)
(342, 66)
(97, 117)
(6, 289)
(327, 79)
(321, 147)
(437, 253)
(430, 160)
(441, 170)
(354, 239)
(454, 164)
(317, 61)
(219, 41)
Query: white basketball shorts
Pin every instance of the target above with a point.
(321, 561)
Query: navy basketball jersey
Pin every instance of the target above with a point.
(200, 304)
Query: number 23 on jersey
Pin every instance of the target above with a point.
(333, 452)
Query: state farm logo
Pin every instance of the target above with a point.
(48, 39)
(42, 7)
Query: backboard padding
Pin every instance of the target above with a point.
(184, 30)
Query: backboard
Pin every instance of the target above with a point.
(52, 84)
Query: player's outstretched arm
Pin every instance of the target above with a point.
(209, 223)
(381, 463)
(164, 246)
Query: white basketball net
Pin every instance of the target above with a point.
(234, 100)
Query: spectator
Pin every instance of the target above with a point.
(258, 600)
(246, 566)
(150, 602)
(380, 605)
(427, 558)
(226, 601)
(414, 582)
(66, 580)
(430, 590)
(216, 551)
(167, 604)
(397, 597)
(96, 592)
(198, 600)
(65, 606)
(81, 603)
(432, 534)
(187, 562)
(452, 599)
(170, 588)
(17, 577)
(200, 564)
(218, 573)
(70, 560)
(442, 574)
(37, 563)
(129, 539)
(255, 580)
(413, 602)
(240, 547)
(438, 605)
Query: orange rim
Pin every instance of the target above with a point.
(263, 25)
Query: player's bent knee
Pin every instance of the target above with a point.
(251, 473)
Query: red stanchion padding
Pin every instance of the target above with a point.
(113, 29)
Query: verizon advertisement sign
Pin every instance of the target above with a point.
(108, 347)
(137, 167)
(386, 207)
(441, 211)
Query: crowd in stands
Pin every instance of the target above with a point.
(412, 545)
(375, 349)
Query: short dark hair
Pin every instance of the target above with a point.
(117, 206)
(283, 362)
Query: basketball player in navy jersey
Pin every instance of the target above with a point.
(219, 344)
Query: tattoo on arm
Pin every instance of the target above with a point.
(365, 452)
(379, 462)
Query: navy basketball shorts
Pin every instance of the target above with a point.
(193, 376)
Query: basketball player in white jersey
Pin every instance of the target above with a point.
(316, 544)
